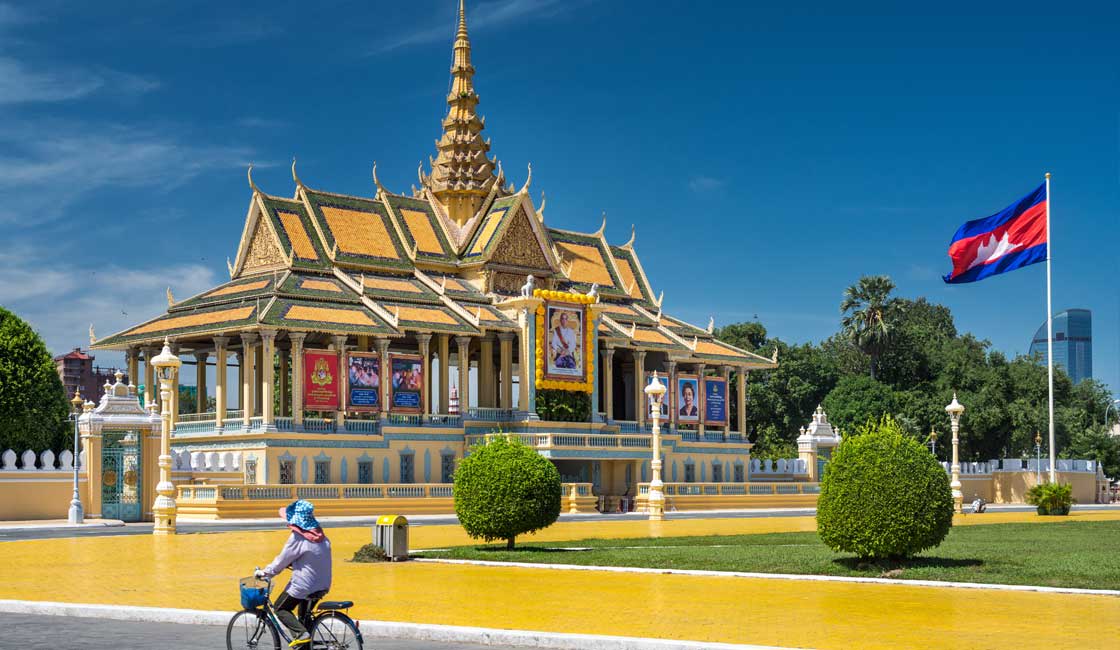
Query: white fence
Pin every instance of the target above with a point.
(45, 461)
(794, 466)
(210, 461)
(1019, 465)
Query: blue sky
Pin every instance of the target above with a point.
(769, 153)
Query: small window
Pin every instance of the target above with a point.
(717, 473)
(322, 472)
(739, 476)
(689, 473)
(407, 469)
(446, 468)
(251, 471)
(365, 472)
(287, 472)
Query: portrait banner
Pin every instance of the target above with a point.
(321, 381)
(363, 381)
(715, 401)
(666, 399)
(407, 390)
(566, 357)
(687, 399)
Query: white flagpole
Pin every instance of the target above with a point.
(1050, 336)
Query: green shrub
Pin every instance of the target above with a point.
(563, 405)
(370, 553)
(1051, 498)
(883, 495)
(504, 489)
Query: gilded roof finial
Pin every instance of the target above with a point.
(253, 185)
(528, 180)
(629, 245)
(603, 227)
(380, 188)
(540, 210)
(295, 177)
(92, 336)
(462, 33)
(170, 298)
(711, 324)
(229, 265)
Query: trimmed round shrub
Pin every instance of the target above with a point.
(883, 495)
(504, 489)
(1051, 498)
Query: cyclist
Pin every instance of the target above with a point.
(308, 553)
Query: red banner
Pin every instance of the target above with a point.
(321, 380)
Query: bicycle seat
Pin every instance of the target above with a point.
(336, 604)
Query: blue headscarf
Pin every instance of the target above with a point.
(302, 514)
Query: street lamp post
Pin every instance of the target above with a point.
(76, 515)
(656, 391)
(167, 368)
(955, 409)
(933, 442)
(1038, 456)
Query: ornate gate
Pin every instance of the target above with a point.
(121, 475)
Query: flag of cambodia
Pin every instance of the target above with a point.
(1005, 241)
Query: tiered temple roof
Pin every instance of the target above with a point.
(443, 260)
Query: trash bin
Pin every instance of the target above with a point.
(391, 534)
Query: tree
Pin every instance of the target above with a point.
(856, 400)
(33, 404)
(883, 495)
(745, 336)
(504, 489)
(869, 315)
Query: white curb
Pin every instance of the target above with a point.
(381, 629)
(92, 524)
(778, 576)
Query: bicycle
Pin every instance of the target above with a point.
(256, 626)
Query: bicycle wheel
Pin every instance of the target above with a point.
(335, 631)
(250, 630)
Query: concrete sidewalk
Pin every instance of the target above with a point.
(59, 524)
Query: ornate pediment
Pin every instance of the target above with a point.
(519, 245)
(263, 251)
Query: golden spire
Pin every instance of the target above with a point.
(462, 174)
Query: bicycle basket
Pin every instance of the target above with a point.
(254, 592)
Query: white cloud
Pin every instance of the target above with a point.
(485, 15)
(705, 184)
(61, 299)
(45, 167)
(23, 84)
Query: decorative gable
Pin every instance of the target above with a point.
(519, 245)
(263, 251)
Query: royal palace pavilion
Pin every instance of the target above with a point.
(343, 317)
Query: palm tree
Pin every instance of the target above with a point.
(869, 315)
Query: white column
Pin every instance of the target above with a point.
(268, 377)
(248, 375)
(505, 342)
(220, 371)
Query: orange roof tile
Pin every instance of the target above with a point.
(328, 315)
(423, 314)
(205, 318)
(392, 284)
(487, 233)
(360, 233)
(319, 285)
(587, 264)
(421, 228)
(240, 288)
(301, 243)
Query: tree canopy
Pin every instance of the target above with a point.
(33, 404)
(920, 362)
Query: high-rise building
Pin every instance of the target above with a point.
(76, 370)
(1073, 343)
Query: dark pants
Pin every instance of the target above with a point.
(286, 605)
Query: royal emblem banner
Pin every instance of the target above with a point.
(363, 381)
(715, 401)
(321, 381)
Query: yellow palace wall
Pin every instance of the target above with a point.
(38, 494)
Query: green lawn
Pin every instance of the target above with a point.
(1071, 554)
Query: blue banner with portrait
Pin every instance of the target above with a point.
(363, 381)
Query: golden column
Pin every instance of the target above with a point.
(656, 391)
(700, 401)
(268, 378)
(167, 366)
(725, 373)
(340, 414)
(221, 356)
(386, 380)
(133, 359)
(486, 371)
(505, 344)
(443, 352)
(640, 407)
(741, 378)
(297, 339)
(200, 382)
(608, 382)
(464, 363)
(424, 341)
(248, 374)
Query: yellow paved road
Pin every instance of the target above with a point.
(200, 571)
